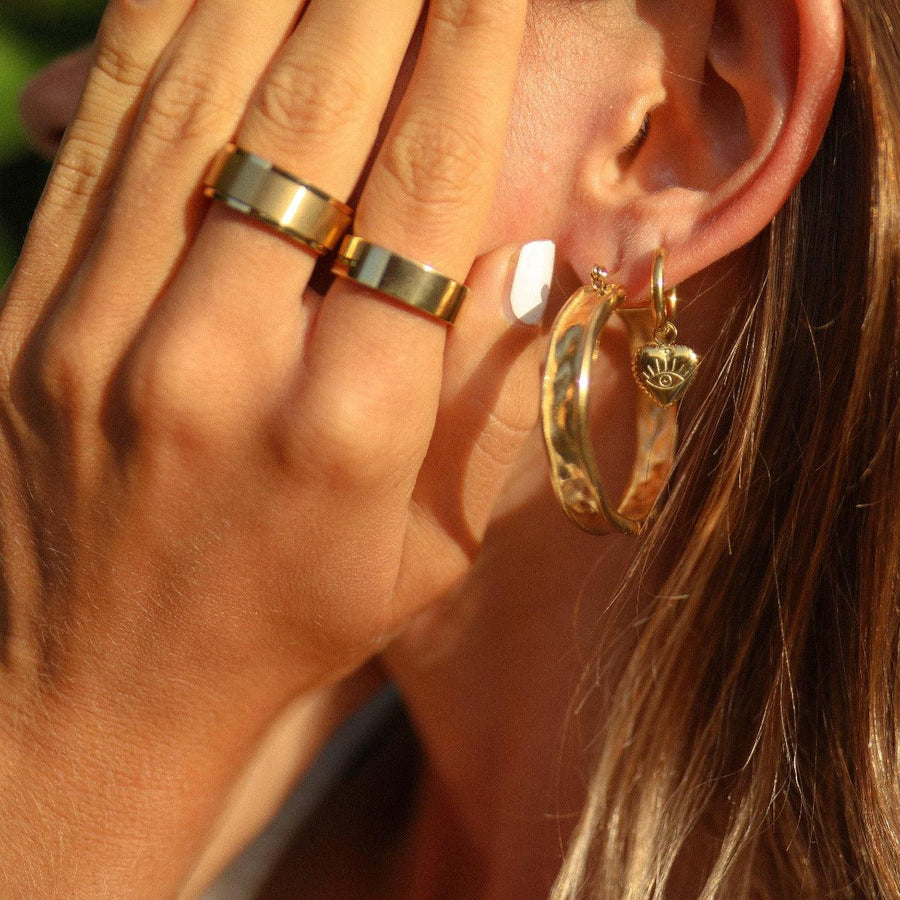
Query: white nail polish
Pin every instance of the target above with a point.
(531, 282)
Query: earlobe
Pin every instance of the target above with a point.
(749, 88)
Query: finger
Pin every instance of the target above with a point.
(194, 103)
(427, 198)
(433, 182)
(490, 399)
(317, 113)
(131, 39)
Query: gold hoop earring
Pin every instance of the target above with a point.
(663, 371)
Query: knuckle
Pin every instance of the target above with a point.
(65, 375)
(463, 14)
(452, 12)
(80, 166)
(434, 163)
(295, 100)
(348, 441)
(115, 61)
(188, 103)
(164, 410)
(503, 432)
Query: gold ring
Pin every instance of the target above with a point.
(574, 471)
(415, 284)
(253, 186)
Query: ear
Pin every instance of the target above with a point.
(728, 112)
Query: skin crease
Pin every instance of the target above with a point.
(489, 675)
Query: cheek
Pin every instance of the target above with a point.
(48, 103)
(551, 128)
(573, 115)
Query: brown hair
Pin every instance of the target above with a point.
(753, 740)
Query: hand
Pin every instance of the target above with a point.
(220, 488)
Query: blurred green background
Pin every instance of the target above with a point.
(31, 33)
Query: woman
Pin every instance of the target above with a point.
(236, 492)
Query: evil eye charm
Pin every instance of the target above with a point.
(665, 371)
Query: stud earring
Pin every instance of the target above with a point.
(663, 370)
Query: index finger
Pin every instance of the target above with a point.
(433, 182)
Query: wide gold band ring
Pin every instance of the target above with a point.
(412, 283)
(574, 471)
(253, 186)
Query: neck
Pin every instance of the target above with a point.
(495, 678)
(489, 680)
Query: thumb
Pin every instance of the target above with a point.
(490, 397)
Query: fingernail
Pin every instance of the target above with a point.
(531, 282)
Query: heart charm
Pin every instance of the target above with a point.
(664, 371)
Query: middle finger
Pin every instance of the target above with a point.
(315, 114)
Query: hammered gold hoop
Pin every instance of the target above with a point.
(574, 473)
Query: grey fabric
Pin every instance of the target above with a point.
(244, 878)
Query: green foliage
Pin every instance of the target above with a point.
(19, 63)
(31, 33)
(55, 25)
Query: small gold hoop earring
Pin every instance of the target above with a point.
(662, 369)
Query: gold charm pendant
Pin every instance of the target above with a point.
(664, 370)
